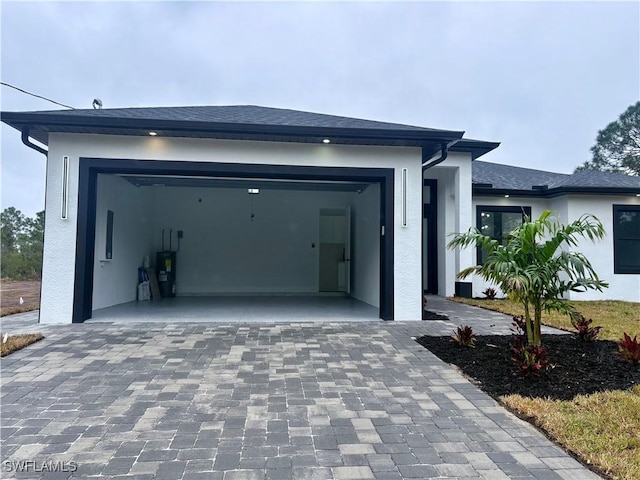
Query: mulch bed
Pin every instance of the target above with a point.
(578, 367)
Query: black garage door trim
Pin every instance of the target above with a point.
(87, 198)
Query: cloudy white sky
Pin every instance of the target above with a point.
(542, 78)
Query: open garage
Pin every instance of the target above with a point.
(261, 242)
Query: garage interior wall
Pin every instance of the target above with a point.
(365, 240)
(224, 249)
(115, 280)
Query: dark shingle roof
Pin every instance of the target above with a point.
(239, 122)
(240, 114)
(594, 178)
(489, 177)
(513, 178)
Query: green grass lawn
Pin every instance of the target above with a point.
(614, 316)
(604, 428)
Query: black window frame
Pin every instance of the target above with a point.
(618, 266)
(524, 210)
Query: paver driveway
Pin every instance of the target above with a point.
(257, 401)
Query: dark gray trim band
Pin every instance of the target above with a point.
(91, 167)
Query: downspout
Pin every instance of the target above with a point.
(37, 148)
(30, 144)
(444, 153)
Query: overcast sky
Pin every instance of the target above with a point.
(542, 78)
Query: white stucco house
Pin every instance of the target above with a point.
(247, 200)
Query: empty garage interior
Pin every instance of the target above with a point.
(305, 244)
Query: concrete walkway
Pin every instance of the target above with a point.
(483, 321)
(305, 401)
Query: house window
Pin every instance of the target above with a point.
(626, 239)
(497, 222)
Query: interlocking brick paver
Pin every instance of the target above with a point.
(317, 401)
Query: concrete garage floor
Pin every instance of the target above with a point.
(239, 308)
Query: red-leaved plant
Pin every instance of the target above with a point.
(490, 293)
(586, 332)
(464, 336)
(629, 349)
(530, 359)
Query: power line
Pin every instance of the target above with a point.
(35, 95)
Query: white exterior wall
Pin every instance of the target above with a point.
(454, 215)
(58, 255)
(59, 247)
(115, 280)
(600, 254)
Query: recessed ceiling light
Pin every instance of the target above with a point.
(326, 140)
(153, 134)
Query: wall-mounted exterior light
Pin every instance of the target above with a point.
(326, 140)
(64, 204)
(153, 134)
(404, 197)
(253, 191)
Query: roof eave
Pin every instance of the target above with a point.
(50, 122)
(554, 192)
(477, 148)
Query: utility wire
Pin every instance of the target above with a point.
(35, 95)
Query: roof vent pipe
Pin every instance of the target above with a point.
(30, 144)
(444, 153)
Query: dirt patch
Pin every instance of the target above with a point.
(578, 367)
(11, 291)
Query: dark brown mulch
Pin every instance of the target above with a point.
(429, 315)
(578, 367)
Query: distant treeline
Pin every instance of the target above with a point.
(22, 239)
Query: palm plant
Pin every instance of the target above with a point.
(534, 267)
